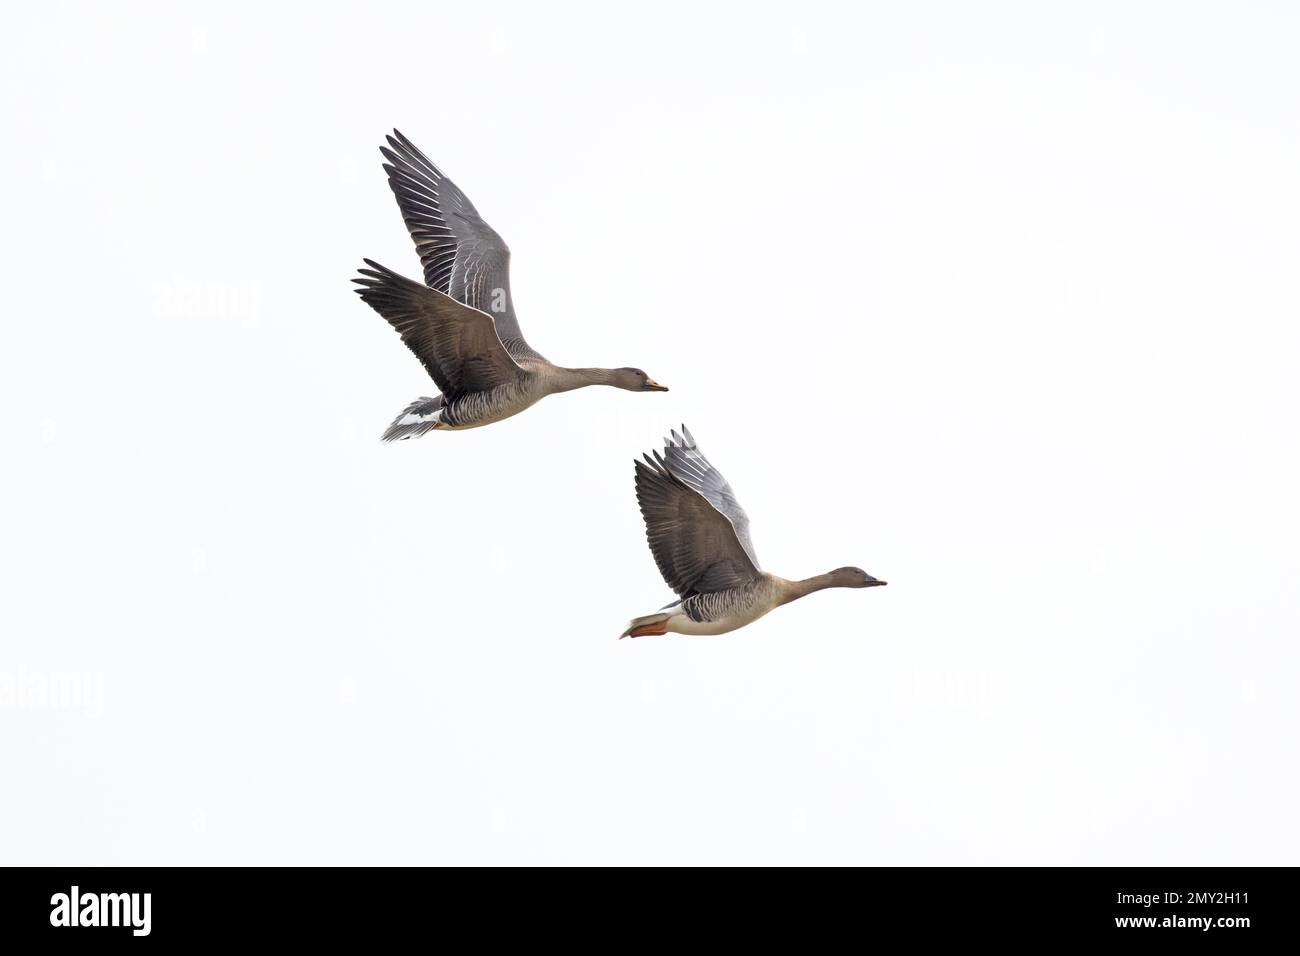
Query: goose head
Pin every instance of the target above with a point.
(635, 380)
(854, 578)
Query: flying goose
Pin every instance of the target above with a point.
(461, 323)
(699, 536)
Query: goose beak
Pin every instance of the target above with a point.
(653, 386)
(875, 583)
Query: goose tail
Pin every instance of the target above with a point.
(421, 416)
(656, 623)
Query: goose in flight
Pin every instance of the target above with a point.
(461, 322)
(699, 536)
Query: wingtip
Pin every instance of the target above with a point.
(653, 465)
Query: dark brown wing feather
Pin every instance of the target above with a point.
(462, 255)
(694, 544)
(457, 345)
(685, 460)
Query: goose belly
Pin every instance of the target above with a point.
(685, 624)
(483, 408)
(720, 612)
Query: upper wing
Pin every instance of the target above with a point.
(693, 543)
(687, 462)
(462, 255)
(456, 344)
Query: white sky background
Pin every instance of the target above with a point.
(998, 304)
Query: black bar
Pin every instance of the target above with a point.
(1146, 906)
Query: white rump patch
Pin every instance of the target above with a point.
(411, 418)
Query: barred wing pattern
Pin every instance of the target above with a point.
(695, 544)
(687, 462)
(462, 255)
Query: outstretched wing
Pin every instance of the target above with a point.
(457, 345)
(462, 255)
(694, 544)
(687, 462)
